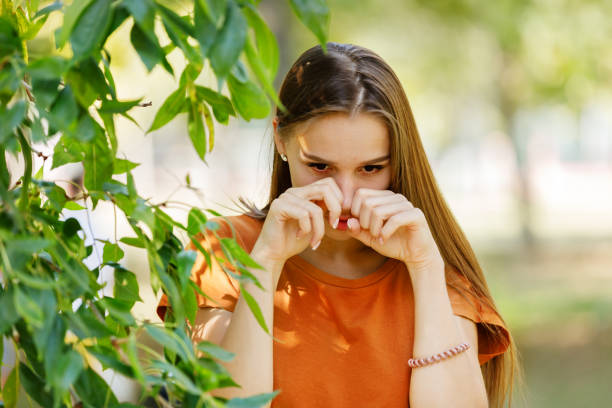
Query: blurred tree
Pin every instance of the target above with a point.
(513, 53)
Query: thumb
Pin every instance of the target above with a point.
(354, 228)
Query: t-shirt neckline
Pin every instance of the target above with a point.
(325, 277)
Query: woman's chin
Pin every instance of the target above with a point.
(337, 235)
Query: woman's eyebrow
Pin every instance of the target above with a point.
(320, 159)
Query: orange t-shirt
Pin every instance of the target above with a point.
(346, 342)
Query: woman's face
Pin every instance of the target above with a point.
(353, 151)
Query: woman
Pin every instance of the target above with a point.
(365, 266)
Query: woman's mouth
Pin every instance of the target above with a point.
(342, 223)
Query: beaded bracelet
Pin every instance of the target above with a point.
(422, 362)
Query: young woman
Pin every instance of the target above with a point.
(374, 294)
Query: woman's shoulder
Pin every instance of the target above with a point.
(243, 228)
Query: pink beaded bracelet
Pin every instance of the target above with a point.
(422, 362)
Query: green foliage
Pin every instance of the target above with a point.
(52, 305)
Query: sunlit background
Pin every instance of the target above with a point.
(513, 100)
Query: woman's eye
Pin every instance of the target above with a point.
(372, 168)
(318, 166)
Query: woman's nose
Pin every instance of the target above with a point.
(347, 187)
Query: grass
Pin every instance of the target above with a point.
(557, 300)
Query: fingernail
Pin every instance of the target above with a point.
(335, 224)
(297, 234)
(352, 223)
(314, 248)
(380, 240)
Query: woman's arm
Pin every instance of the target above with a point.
(456, 381)
(252, 365)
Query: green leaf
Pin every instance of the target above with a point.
(90, 29)
(71, 15)
(177, 377)
(189, 75)
(252, 402)
(178, 29)
(172, 341)
(11, 388)
(149, 50)
(248, 99)
(114, 106)
(86, 129)
(229, 42)
(49, 9)
(34, 386)
(143, 12)
(50, 68)
(21, 248)
(64, 111)
(263, 75)
(112, 253)
(10, 119)
(118, 309)
(215, 351)
(9, 315)
(195, 221)
(9, 37)
(73, 205)
(315, 16)
(34, 28)
(254, 308)
(214, 9)
(66, 370)
(239, 253)
(195, 127)
(205, 28)
(209, 125)
(222, 106)
(135, 242)
(267, 46)
(185, 261)
(93, 389)
(110, 359)
(172, 106)
(126, 286)
(67, 150)
(88, 82)
(98, 164)
(191, 303)
(45, 92)
(123, 165)
(177, 21)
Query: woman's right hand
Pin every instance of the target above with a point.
(294, 220)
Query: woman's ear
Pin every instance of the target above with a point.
(280, 146)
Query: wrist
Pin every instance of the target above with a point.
(427, 274)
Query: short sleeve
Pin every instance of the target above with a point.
(222, 289)
(493, 335)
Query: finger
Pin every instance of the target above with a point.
(318, 225)
(291, 207)
(383, 212)
(414, 218)
(371, 204)
(334, 186)
(315, 214)
(361, 194)
(356, 232)
(321, 191)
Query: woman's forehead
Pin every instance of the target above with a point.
(337, 136)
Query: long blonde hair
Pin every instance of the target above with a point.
(353, 79)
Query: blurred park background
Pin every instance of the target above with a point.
(513, 100)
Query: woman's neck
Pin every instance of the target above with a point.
(348, 258)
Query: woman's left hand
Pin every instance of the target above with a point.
(389, 223)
